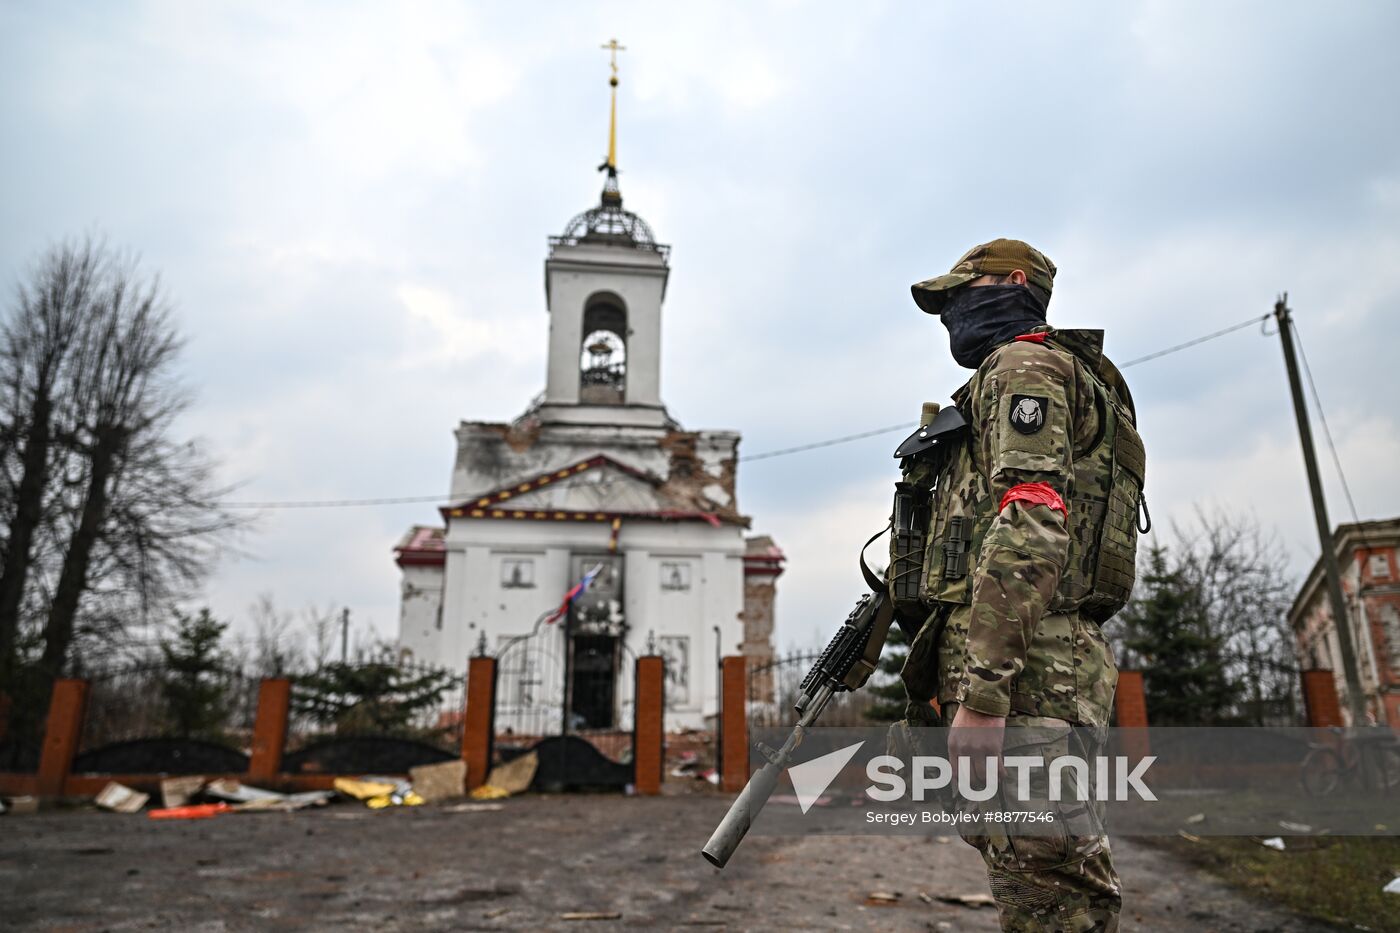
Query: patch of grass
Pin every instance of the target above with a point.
(1336, 879)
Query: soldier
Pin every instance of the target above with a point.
(1030, 548)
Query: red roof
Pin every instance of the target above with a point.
(423, 546)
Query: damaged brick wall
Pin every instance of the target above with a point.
(692, 483)
(759, 596)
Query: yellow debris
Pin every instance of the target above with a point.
(362, 790)
(489, 792)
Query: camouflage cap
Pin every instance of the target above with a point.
(999, 257)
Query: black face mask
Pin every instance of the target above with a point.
(981, 319)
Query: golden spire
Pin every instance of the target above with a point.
(611, 163)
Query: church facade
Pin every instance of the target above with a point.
(594, 480)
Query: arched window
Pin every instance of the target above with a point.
(603, 356)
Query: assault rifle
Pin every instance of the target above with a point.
(845, 665)
(853, 654)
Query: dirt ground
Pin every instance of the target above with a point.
(521, 868)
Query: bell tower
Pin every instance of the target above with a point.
(604, 280)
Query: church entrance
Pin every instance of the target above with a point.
(594, 687)
(596, 633)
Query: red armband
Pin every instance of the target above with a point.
(1034, 494)
(1032, 338)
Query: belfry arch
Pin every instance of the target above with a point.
(603, 354)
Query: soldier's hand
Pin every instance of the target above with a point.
(979, 737)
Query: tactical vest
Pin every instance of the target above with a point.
(1105, 494)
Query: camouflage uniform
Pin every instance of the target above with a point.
(1028, 527)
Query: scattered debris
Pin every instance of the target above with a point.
(1196, 818)
(1189, 837)
(199, 811)
(1273, 842)
(248, 799)
(488, 792)
(923, 896)
(591, 915)
(235, 792)
(444, 781)
(22, 806)
(379, 792)
(882, 898)
(286, 803)
(178, 791)
(688, 767)
(1295, 827)
(121, 799)
(1393, 887)
(967, 900)
(473, 807)
(513, 777)
(364, 788)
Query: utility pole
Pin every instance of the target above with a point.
(344, 635)
(1342, 621)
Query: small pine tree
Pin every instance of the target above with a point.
(379, 696)
(193, 684)
(1184, 668)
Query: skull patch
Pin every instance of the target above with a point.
(1028, 413)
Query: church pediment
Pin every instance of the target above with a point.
(597, 484)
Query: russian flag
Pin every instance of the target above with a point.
(575, 592)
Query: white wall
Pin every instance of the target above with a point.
(476, 602)
(420, 611)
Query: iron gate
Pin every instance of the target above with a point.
(566, 691)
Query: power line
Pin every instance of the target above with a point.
(1191, 343)
(331, 503)
(766, 455)
(827, 443)
(1322, 417)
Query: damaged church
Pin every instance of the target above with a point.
(595, 480)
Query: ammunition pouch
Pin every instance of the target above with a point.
(908, 536)
(923, 456)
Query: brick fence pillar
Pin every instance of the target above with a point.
(1130, 702)
(1320, 699)
(734, 725)
(270, 728)
(479, 726)
(61, 733)
(649, 734)
(1130, 712)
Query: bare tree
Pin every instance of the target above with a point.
(128, 515)
(321, 626)
(1218, 597)
(275, 651)
(38, 347)
(1240, 575)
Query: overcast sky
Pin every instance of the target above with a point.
(349, 205)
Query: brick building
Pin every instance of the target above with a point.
(1370, 573)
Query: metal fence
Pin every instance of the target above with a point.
(774, 687)
(151, 700)
(383, 698)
